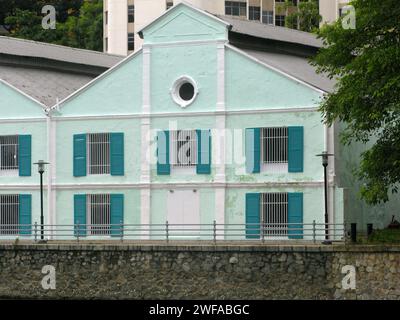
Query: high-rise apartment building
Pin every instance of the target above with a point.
(124, 18)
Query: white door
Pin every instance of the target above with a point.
(183, 213)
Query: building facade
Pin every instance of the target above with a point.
(189, 129)
(123, 18)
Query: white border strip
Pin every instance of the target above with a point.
(171, 185)
(185, 114)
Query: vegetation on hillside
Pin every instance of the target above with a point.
(79, 23)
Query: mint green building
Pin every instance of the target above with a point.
(190, 130)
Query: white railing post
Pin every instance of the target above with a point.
(166, 231)
(314, 231)
(215, 231)
(77, 231)
(121, 230)
(35, 231)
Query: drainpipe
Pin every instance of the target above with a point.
(329, 147)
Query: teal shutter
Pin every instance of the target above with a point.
(117, 154)
(203, 152)
(163, 166)
(25, 155)
(252, 145)
(295, 215)
(295, 149)
(80, 214)
(117, 213)
(25, 214)
(253, 215)
(79, 155)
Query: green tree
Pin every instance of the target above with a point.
(366, 61)
(79, 23)
(26, 24)
(86, 29)
(64, 8)
(305, 18)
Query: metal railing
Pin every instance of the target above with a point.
(308, 232)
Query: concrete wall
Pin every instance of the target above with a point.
(199, 272)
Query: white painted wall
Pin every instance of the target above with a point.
(117, 29)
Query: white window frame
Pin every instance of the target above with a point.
(277, 203)
(181, 167)
(279, 140)
(9, 213)
(103, 158)
(13, 171)
(176, 88)
(102, 203)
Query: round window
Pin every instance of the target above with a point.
(184, 91)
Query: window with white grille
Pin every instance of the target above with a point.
(131, 13)
(8, 153)
(9, 214)
(98, 153)
(235, 8)
(274, 215)
(183, 148)
(274, 145)
(98, 214)
(268, 17)
(280, 20)
(131, 41)
(254, 13)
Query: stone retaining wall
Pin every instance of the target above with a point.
(199, 271)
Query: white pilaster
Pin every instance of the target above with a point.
(220, 144)
(145, 193)
(51, 173)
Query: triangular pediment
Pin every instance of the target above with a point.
(184, 23)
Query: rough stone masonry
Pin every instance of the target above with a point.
(126, 271)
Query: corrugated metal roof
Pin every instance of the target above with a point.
(264, 31)
(295, 66)
(28, 48)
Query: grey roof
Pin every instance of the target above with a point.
(28, 48)
(295, 66)
(43, 85)
(262, 30)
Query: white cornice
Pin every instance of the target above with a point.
(184, 114)
(170, 185)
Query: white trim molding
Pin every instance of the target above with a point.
(159, 185)
(184, 114)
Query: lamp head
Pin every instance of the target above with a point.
(325, 156)
(41, 165)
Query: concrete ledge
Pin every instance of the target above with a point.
(196, 246)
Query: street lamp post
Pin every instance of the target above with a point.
(41, 165)
(325, 157)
